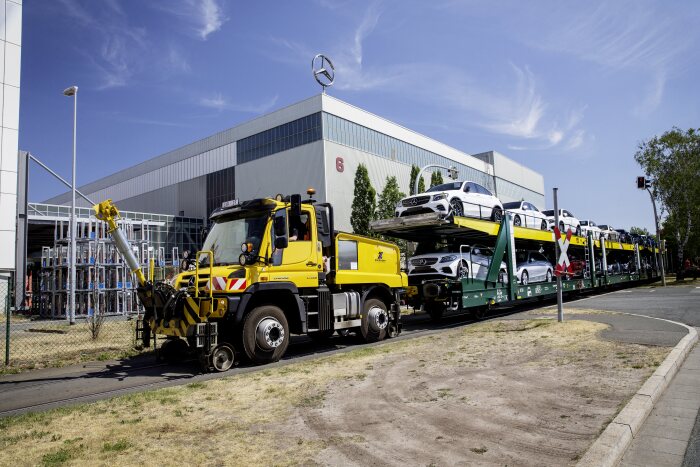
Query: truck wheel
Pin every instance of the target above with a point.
(375, 320)
(435, 310)
(173, 350)
(265, 334)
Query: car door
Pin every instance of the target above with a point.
(470, 198)
(485, 201)
(532, 220)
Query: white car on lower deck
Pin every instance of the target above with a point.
(448, 262)
(457, 198)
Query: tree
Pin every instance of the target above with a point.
(639, 231)
(436, 179)
(421, 184)
(364, 203)
(389, 197)
(672, 161)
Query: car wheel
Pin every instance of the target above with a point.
(502, 276)
(265, 334)
(463, 269)
(457, 207)
(543, 226)
(549, 275)
(561, 227)
(496, 214)
(525, 278)
(516, 221)
(578, 230)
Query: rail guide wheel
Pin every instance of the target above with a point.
(222, 357)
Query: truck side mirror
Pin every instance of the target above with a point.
(279, 226)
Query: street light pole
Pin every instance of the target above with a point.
(70, 312)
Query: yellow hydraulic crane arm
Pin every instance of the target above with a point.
(108, 212)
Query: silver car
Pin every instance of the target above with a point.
(532, 266)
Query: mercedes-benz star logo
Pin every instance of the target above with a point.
(413, 201)
(323, 70)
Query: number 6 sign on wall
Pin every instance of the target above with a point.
(339, 164)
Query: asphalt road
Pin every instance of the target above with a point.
(677, 302)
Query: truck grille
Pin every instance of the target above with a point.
(415, 201)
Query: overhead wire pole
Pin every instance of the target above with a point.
(560, 295)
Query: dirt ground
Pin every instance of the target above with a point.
(512, 392)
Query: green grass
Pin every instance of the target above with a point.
(117, 446)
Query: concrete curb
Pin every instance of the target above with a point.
(612, 444)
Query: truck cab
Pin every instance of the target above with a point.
(270, 268)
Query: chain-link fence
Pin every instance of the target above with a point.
(30, 340)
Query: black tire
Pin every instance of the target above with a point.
(502, 276)
(276, 329)
(457, 207)
(516, 221)
(525, 278)
(578, 230)
(549, 275)
(497, 214)
(543, 225)
(480, 312)
(463, 269)
(374, 328)
(173, 350)
(561, 228)
(435, 310)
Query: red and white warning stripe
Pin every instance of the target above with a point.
(236, 284)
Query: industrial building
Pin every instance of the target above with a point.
(317, 142)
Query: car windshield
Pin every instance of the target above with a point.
(513, 205)
(584, 223)
(446, 187)
(548, 212)
(228, 234)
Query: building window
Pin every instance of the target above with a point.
(281, 138)
(221, 186)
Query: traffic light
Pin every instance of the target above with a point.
(452, 172)
(643, 183)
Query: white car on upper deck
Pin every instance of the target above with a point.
(457, 198)
(526, 215)
(566, 221)
(590, 226)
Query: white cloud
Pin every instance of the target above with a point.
(621, 35)
(221, 103)
(211, 17)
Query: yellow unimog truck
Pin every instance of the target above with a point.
(270, 268)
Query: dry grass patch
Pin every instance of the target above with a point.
(438, 399)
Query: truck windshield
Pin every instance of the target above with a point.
(228, 233)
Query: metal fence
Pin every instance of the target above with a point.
(31, 341)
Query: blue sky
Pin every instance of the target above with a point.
(566, 88)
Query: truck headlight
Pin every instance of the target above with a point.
(448, 259)
(439, 197)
